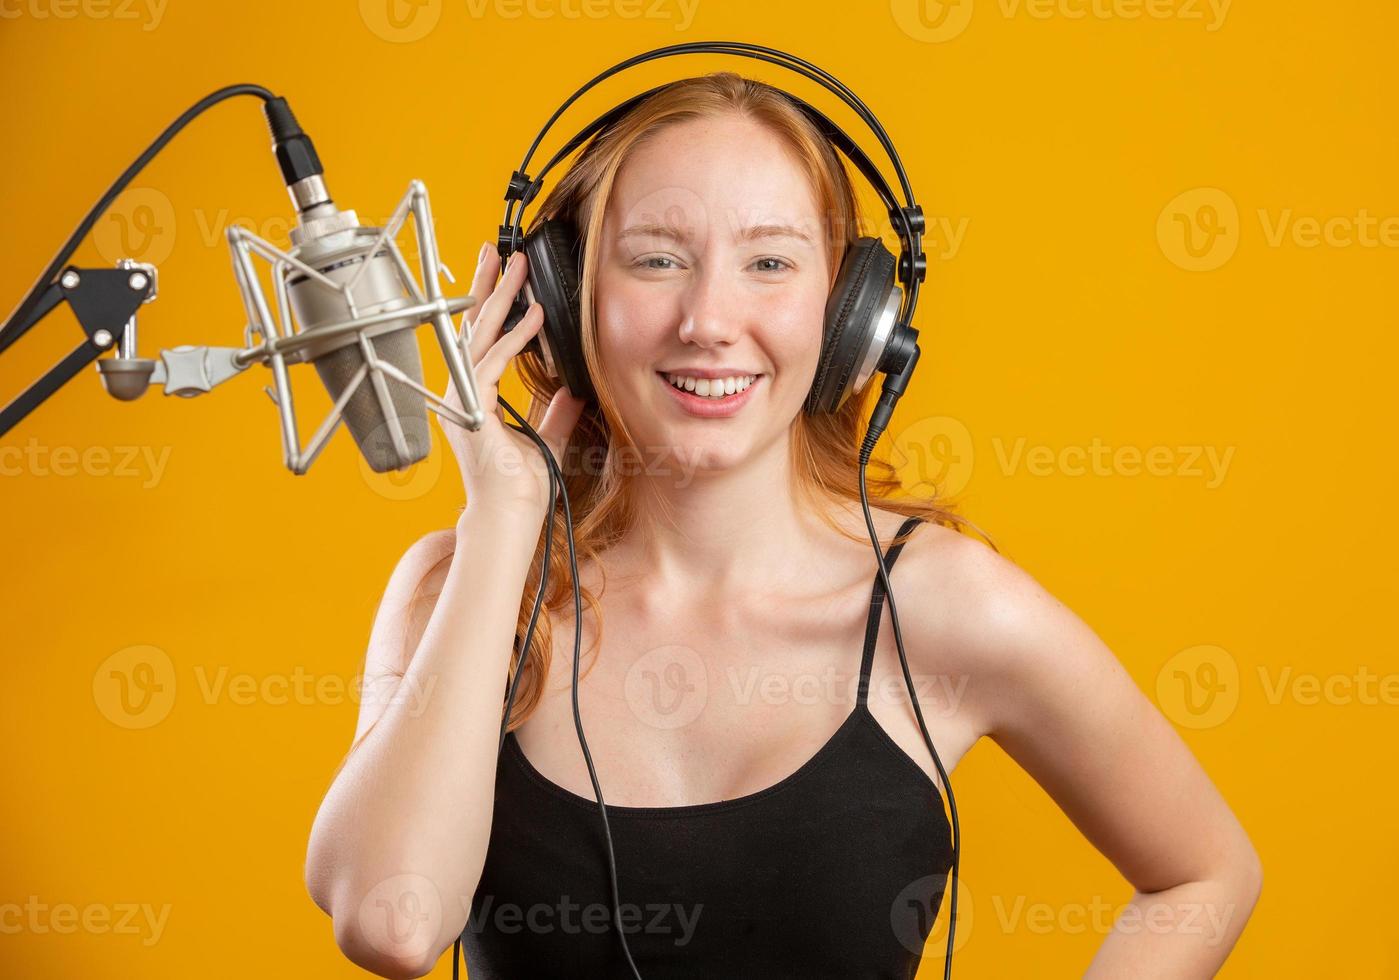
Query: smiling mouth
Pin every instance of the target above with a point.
(713, 389)
(711, 406)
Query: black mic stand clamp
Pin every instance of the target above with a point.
(104, 302)
(186, 370)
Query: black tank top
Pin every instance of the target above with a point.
(837, 870)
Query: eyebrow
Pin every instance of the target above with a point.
(744, 234)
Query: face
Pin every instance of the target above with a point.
(713, 264)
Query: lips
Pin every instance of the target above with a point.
(703, 406)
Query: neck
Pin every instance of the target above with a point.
(725, 532)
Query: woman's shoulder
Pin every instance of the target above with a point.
(967, 589)
(928, 544)
(968, 609)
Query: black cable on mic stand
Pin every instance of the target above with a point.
(119, 185)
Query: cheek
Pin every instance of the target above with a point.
(631, 322)
(792, 326)
(636, 323)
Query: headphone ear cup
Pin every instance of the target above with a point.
(860, 316)
(555, 258)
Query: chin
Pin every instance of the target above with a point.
(672, 453)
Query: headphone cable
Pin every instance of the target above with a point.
(951, 881)
(558, 490)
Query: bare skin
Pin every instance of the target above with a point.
(717, 577)
(782, 662)
(726, 565)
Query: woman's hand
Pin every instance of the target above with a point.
(503, 469)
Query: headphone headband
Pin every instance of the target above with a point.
(833, 133)
(907, 220)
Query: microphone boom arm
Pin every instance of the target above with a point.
(105, 301)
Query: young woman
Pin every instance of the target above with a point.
(773, 807)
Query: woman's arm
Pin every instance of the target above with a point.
(1050, 693)
(400, 840)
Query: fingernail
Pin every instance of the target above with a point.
(485, 250)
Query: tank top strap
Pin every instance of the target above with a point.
(876, 605)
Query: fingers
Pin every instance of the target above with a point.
(488, 351)
(490, 316)
(559, 419)
(492, 366)
(453, 401)
(482, 281)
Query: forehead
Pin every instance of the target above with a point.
(716, 174)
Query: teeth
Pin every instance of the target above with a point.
(712, 387)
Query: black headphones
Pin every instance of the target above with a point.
(867, 324)
(867, 329)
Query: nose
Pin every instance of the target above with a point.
(713, 308)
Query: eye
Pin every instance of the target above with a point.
(649, 263)
(645, 263)
(781, 264)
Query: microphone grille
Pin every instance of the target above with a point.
(362, 414)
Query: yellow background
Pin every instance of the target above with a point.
(1074, 152)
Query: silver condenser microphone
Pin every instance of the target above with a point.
(349, 304)
(343, 298)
